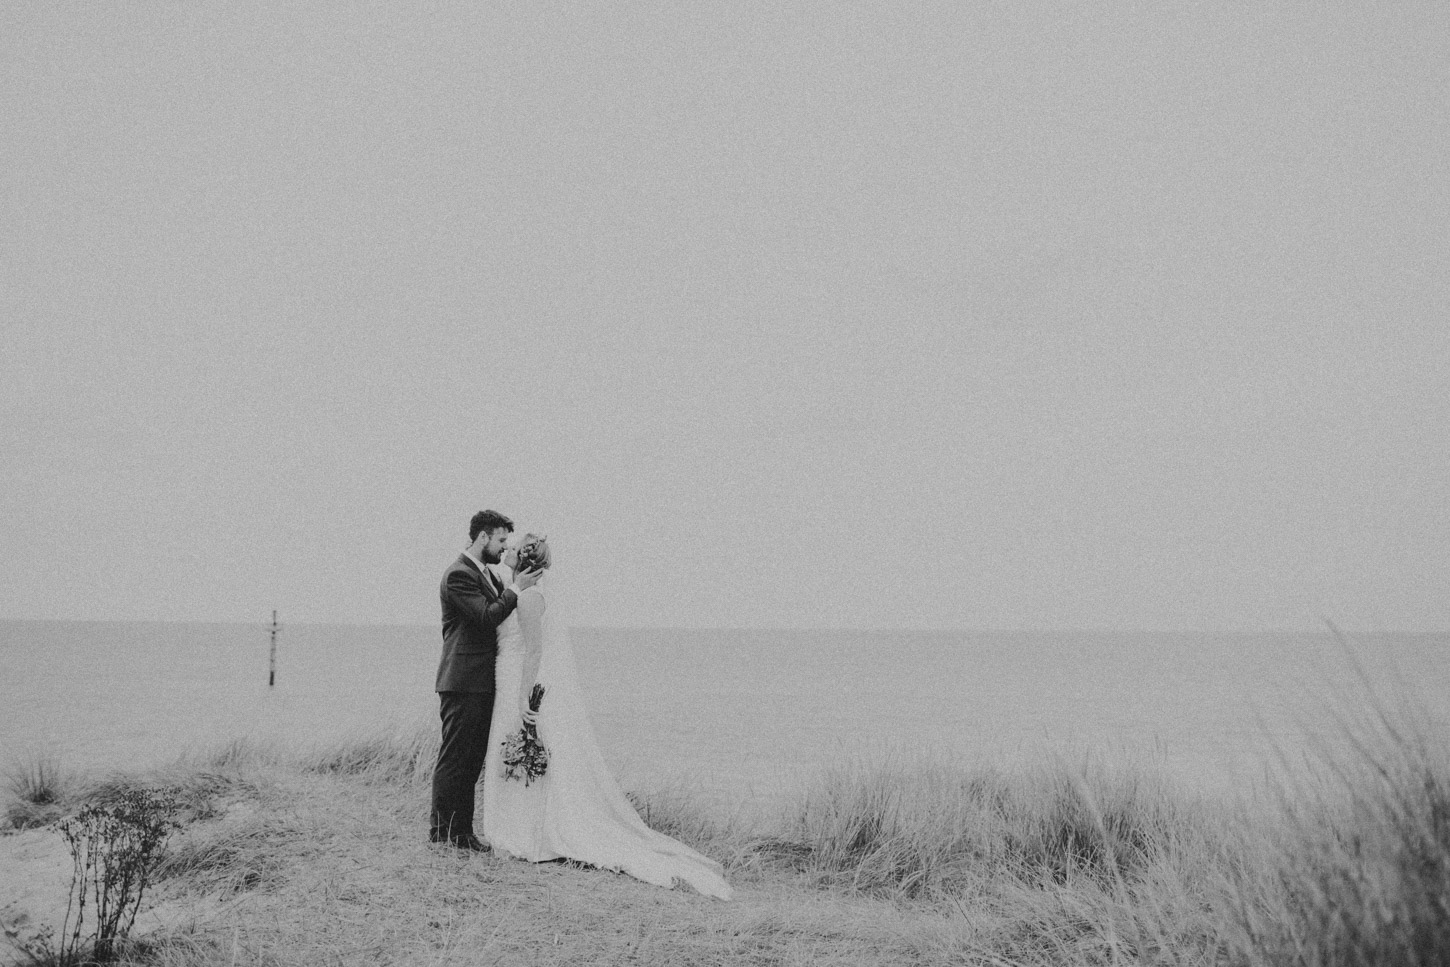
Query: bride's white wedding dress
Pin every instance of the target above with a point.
(576, 810)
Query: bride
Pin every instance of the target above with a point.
(575, 810)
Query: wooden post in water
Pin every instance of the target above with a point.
(272, 660)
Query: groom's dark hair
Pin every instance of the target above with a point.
(488, 520)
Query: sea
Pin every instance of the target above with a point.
(739, 716)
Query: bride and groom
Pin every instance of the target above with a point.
(501, 637)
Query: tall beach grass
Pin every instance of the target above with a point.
(1344, 862)
(317, 855)
(1355, 868)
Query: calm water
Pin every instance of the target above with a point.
(735, 713)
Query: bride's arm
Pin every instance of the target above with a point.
(531, 621)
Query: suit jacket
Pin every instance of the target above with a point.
(473, 608)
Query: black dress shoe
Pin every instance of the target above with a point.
(471, 843)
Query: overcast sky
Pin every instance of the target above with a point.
(829, 314)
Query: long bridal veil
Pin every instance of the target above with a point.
(585, 815)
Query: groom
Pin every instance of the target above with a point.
(475, 603)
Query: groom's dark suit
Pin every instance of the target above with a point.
(474, 603)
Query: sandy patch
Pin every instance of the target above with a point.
(35, 876)
(35, 879)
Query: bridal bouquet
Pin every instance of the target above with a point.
(524, 756)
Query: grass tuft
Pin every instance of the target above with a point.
(915, 829)
(37, 779)
(683, 813)
(1104, 823)
(236, 754)
(382, 756)
(38, 790)
(250, 852)
(1358, 867)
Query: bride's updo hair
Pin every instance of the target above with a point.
(534, 553)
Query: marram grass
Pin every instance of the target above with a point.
(923, 828)
(386, 755)
(319, 856)
(36, 785)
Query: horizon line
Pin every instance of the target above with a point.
(1326, 628)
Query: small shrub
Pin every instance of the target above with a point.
(115, 849)
(195, 795)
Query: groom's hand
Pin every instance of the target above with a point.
(527, 579)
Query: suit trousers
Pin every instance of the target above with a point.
(466, 719)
